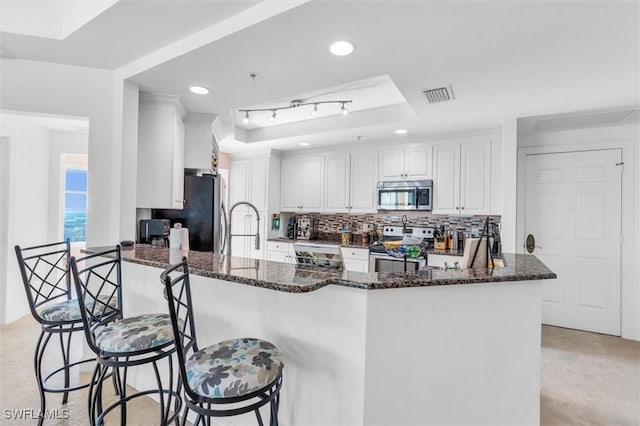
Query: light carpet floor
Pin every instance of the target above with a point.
(587, 379)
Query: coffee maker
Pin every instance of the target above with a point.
(154, 232)
(306, 228)
(292, 228)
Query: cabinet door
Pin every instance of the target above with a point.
(177, 182)
(258, 183)
(417, 163)
(290, 192)
(364, 167)
(310, 185)
(391, 165)
(475, 177)
(337, 183)
(239, 221)
(446, 179)
(277, 256)
(238, 184)
(250, 229)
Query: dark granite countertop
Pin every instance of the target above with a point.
(301, 279)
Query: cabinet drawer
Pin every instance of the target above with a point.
(355, 253)
(278, 246)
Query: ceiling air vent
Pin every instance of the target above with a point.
(440, 94)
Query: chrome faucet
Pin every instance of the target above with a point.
(229, 234)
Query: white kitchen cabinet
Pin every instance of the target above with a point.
(411, 163)
(197, 140)
(355, 259)
(350, 183)
(160, 182)
(302, 184)
(280, 252)
(248, 182)
(462, 178)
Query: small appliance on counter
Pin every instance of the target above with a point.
(154, 232)
(306, 228)
(292, 228)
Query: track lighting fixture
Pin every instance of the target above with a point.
(295, 104)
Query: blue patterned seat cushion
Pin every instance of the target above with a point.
(69, 310)
(234, 367)
(132, 334)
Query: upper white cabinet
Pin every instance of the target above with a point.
(411, 164)
(301, 184)
(160, 182)
(197, 144)
(462, 178)
(248, 181)
(350, 182)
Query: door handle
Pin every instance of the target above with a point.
(530, 244)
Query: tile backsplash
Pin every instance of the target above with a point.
(334, 223)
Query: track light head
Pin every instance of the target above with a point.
(315, 110)
(245, 120)
(344, 109)
(273, 115)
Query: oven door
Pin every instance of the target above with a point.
(397, 199)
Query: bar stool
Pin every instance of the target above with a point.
(47, 283)
(118, 342)
(244, 372)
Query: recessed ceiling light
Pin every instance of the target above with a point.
(401, 131)
(341, 48)
(304, 143)
(199, 90)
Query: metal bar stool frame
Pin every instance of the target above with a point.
(47, 280)
(178, 294)
(103, 276)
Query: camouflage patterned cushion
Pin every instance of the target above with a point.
(69, 310)
(234, 367)
(135, 334)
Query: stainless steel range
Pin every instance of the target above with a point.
(381, 261)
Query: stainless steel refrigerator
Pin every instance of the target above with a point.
(202, 213)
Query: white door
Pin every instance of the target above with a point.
(364, 171)
(475, 177)
(573, 210)
(446, 179)
(391, 165)
(417, 163)
(311, 185)
(337, 183)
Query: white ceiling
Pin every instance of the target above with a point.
(503, 58)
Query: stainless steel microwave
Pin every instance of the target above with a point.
(405, 195)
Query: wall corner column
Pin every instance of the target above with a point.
(509, 184)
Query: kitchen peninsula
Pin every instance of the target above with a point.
(434, 347)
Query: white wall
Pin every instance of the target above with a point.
(40, 87)
(28, 206)
(627, 138)
(4, 222)
(60, 143)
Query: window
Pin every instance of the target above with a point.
(75, 205)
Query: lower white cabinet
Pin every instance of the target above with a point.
(355, 259)
(280, 252)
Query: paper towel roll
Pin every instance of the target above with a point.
(179, 238)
